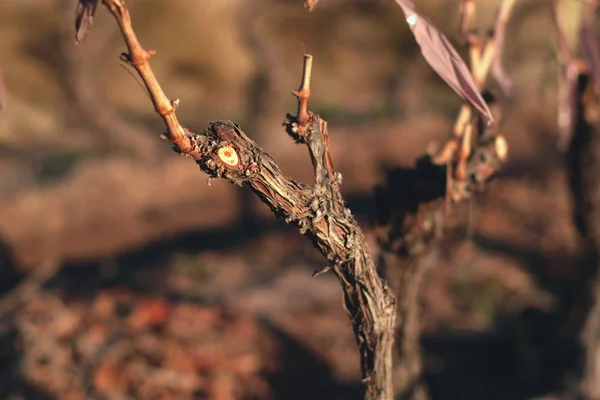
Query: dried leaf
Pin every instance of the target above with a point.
(149, 312)
(84, 18)
(443, 58)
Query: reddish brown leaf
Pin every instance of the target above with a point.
(149, 312)
(108, 378)
(443, 58)
(84, 18)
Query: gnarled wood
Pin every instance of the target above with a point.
(224, 151)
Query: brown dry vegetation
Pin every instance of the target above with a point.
(155, 263)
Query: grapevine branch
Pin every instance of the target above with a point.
(482, 54)
(223, 150)
(412, 206)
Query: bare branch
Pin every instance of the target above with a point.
(138, 58)
(498, 72)
(482, 56)
(303, 93)
(223, 150)
(467, 19)
(413, 205)
(411, 213)
(368, 301)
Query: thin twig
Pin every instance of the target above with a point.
(467, 18)
(565, 52)
(303, 93)
(224, 150)
(138, 58)
(498, 72)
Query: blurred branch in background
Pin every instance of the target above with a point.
(413, 204)
(580, 79)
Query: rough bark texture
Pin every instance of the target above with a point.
(224, 151)
(411, 215)
(320, 213)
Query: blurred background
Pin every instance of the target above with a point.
(124, 275)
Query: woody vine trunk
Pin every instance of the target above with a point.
(224, 151)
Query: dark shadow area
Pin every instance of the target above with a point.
(406, 189)
(301, 374)
(243, 232)
(410, 222)
(473, 367)
(537, 263)
(30, 392)
(11, 381)
(525, 355)
(9, 275)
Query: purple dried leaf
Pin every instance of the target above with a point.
(443, 58)
(498, 71)
(84, 18)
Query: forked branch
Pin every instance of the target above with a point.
(412, 206)
(223, 150)
(484, 53)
